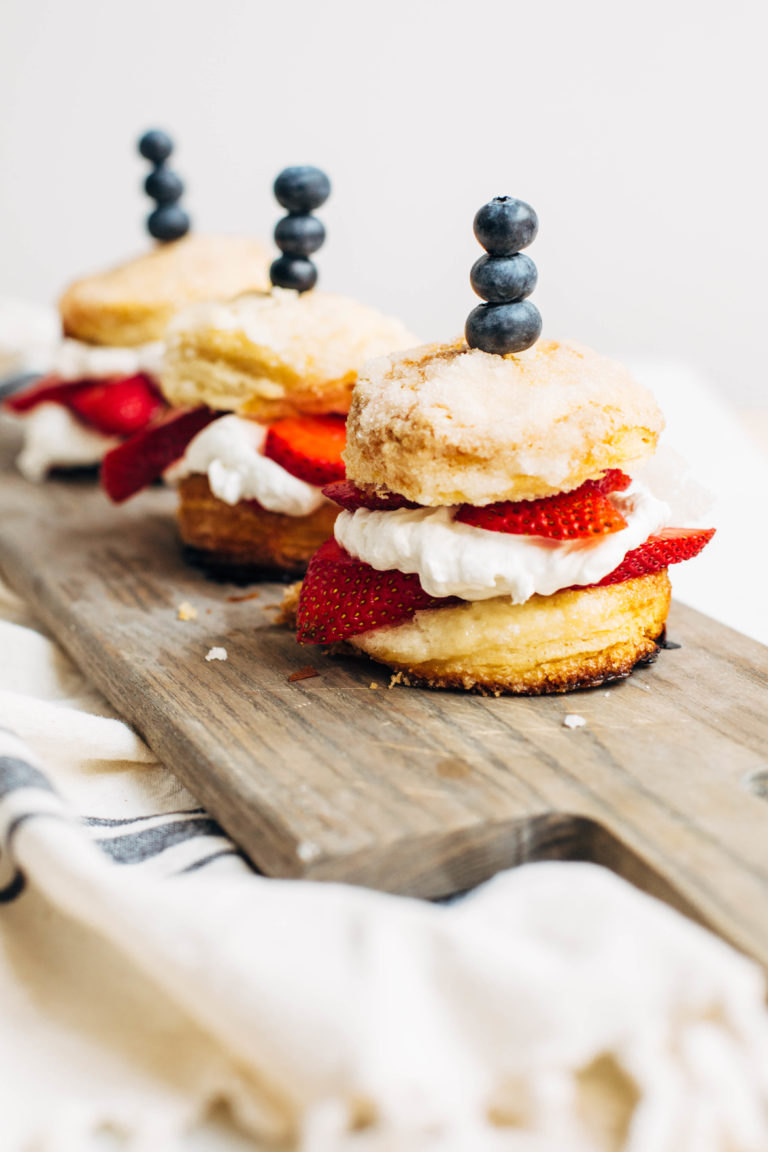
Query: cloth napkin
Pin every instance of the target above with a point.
(147, 974)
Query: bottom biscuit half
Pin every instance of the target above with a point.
(244, 541)
(573, 639)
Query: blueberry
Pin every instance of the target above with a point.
(293, 272)
(502, 279)
(156, 146)
(168, 222)
(302, 189)
(505, 225)
(502, 328)
(164, 186)
(299, 235)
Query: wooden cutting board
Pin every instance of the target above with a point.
(337, 777)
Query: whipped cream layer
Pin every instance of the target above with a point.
(54, 438)
(75, 360)
(229, 453)
(455, 559)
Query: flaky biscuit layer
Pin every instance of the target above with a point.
(244, 537)
(132, 303)
(574, 639)
(275, 354)
(445, 424)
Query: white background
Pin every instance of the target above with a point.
(636, 130)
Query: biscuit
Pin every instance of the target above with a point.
(445, 424)
(577, 638)
(132, 303)
(275, 354)
(245, 540)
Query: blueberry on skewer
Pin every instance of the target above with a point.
(168, 221)
(298, 235)
(507, 322)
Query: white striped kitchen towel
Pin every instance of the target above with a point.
(147, 973)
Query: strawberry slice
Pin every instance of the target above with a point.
(49, 389)
(670, 546)
(341, 597)
(117, 407)
(141, 459)
(350, 497)
(576, 515)
(309, 447)
(613, 480)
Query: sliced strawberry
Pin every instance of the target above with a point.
(309, 447)
(141, 459)
(349, 496)
(614, 480)
(576, 515)
(670, 546)
(117, 407)
(342, 597)
(49, 389)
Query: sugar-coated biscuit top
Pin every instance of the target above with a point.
(275, 353)
(132, 303)
(445, 424)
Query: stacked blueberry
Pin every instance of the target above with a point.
(300, 190)
(508, 322)
(168, 221)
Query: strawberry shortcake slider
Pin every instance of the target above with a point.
(261, 385)
(102, 381)
(496, 534)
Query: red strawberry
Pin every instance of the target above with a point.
(49, 389)
(614, 480)
(138, 461)
(117, 407)
(349, 496)
(670, 546)
(342, 597)
(309, 447)
(576, 515)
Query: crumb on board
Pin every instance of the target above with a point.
(303, 674)
(573, 721)
(289, 605)
(186, 611)
(239, 599)
(373, 684)
(396, 679)
(216, 654)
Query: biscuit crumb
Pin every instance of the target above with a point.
(289, 606)
(573, 721)
(216, 654)
(303, 674)
(187, 611)
(373, 684)
(396, 679)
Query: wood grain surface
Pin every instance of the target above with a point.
(334, 776)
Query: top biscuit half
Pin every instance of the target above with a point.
(133, 303)
(445, 424)
(275, 354)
